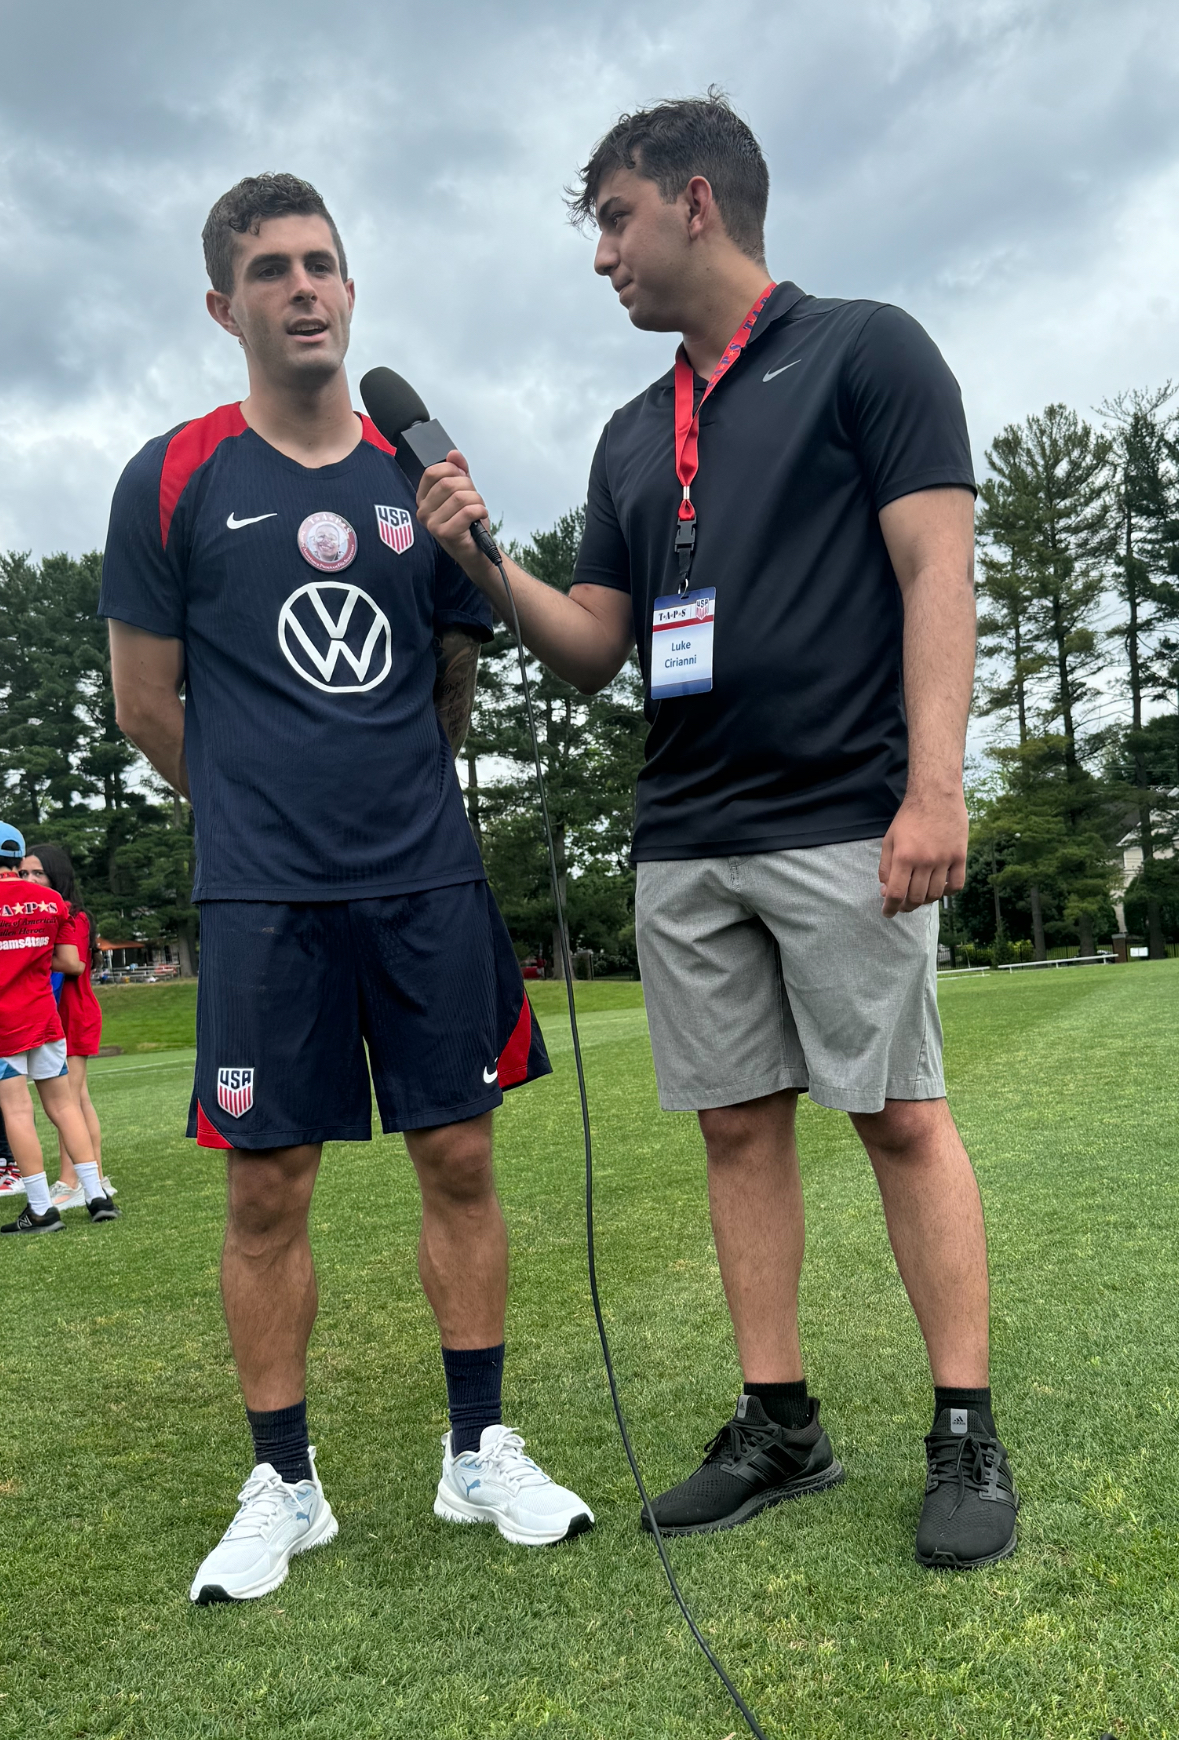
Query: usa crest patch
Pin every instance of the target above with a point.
(396, 528)
(235, 1091)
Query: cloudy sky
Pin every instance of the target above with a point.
(1007, 171)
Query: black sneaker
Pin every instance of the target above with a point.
(968, 1517)
(102, 1208)
(28, 1222)
(750, 1464)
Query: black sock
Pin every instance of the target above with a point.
(280, 1438)
(978, 1401)
(474, 1383)
(786, 1404)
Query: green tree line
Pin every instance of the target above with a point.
(68, 775)
(1078, 584)
(1079, 668)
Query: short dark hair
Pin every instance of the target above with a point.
(675, 140)
(243, 211)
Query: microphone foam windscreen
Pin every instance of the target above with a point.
(391, 403)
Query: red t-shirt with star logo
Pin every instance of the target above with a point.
(31, 919)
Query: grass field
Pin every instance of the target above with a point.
(122, 1442)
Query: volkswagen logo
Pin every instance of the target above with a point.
(329, 630)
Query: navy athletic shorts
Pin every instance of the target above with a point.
(290, 996)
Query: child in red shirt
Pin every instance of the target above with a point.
(32, 1043)
(81, 1014)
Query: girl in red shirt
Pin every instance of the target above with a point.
(81, 1014)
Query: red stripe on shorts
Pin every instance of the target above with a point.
(513, 1059)
(207, 1136)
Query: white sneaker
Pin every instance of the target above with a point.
(275, 1522)
(67, 1196)
(11, 1182)
(108, 1187)
(499, 1484)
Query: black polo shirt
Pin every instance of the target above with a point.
(833, 410)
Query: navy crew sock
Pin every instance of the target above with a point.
(785, 1404)
(474, 1385)
(280, 1438)
(977, 1400)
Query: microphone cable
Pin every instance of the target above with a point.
(487, 546)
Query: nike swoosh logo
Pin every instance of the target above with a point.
(774, 372)
(491, 1078)
(236, 525)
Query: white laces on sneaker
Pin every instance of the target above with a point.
(262, 1499)
(505, 1458)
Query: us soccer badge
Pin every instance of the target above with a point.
(235, 1091)
(327, 541)
(396, 528)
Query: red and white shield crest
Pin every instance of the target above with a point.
(235, 1091)
(396, 528)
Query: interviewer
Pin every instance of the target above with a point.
(788, 515)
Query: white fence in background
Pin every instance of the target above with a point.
(1069, 961)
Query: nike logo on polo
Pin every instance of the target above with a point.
(774, 372)
(235, 525)
(491, 1076)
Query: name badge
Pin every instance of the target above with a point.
(681, 644)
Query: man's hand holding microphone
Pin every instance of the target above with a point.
(584, 637)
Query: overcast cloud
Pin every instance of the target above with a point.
(1007, 172)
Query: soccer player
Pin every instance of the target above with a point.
(32, 1045)
(783, 522)
(81, 1014)
(265, 559)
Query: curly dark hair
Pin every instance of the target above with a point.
(671, 142)
(245, 208)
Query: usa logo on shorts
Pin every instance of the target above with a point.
(396, 528)
(235, 1091)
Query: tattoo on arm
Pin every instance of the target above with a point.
(454, 689)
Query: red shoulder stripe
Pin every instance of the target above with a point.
(373, 435)
(190, 447)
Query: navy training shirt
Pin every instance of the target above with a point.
(308, 601)
(832, 410)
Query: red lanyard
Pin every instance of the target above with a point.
(687, 427)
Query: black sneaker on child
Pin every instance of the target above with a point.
(102, 1208)
(968, 1517)
(750, 1464)
(28, 1222)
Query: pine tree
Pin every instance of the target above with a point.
(1144, 495)
(1047, 516)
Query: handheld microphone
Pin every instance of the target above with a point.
(420, 440)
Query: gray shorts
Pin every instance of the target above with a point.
(779, 970)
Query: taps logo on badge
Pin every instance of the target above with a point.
(235, 1091)
(327, 541)
(328, 624)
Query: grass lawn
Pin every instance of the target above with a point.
(149, 1017)
(122, 1441)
